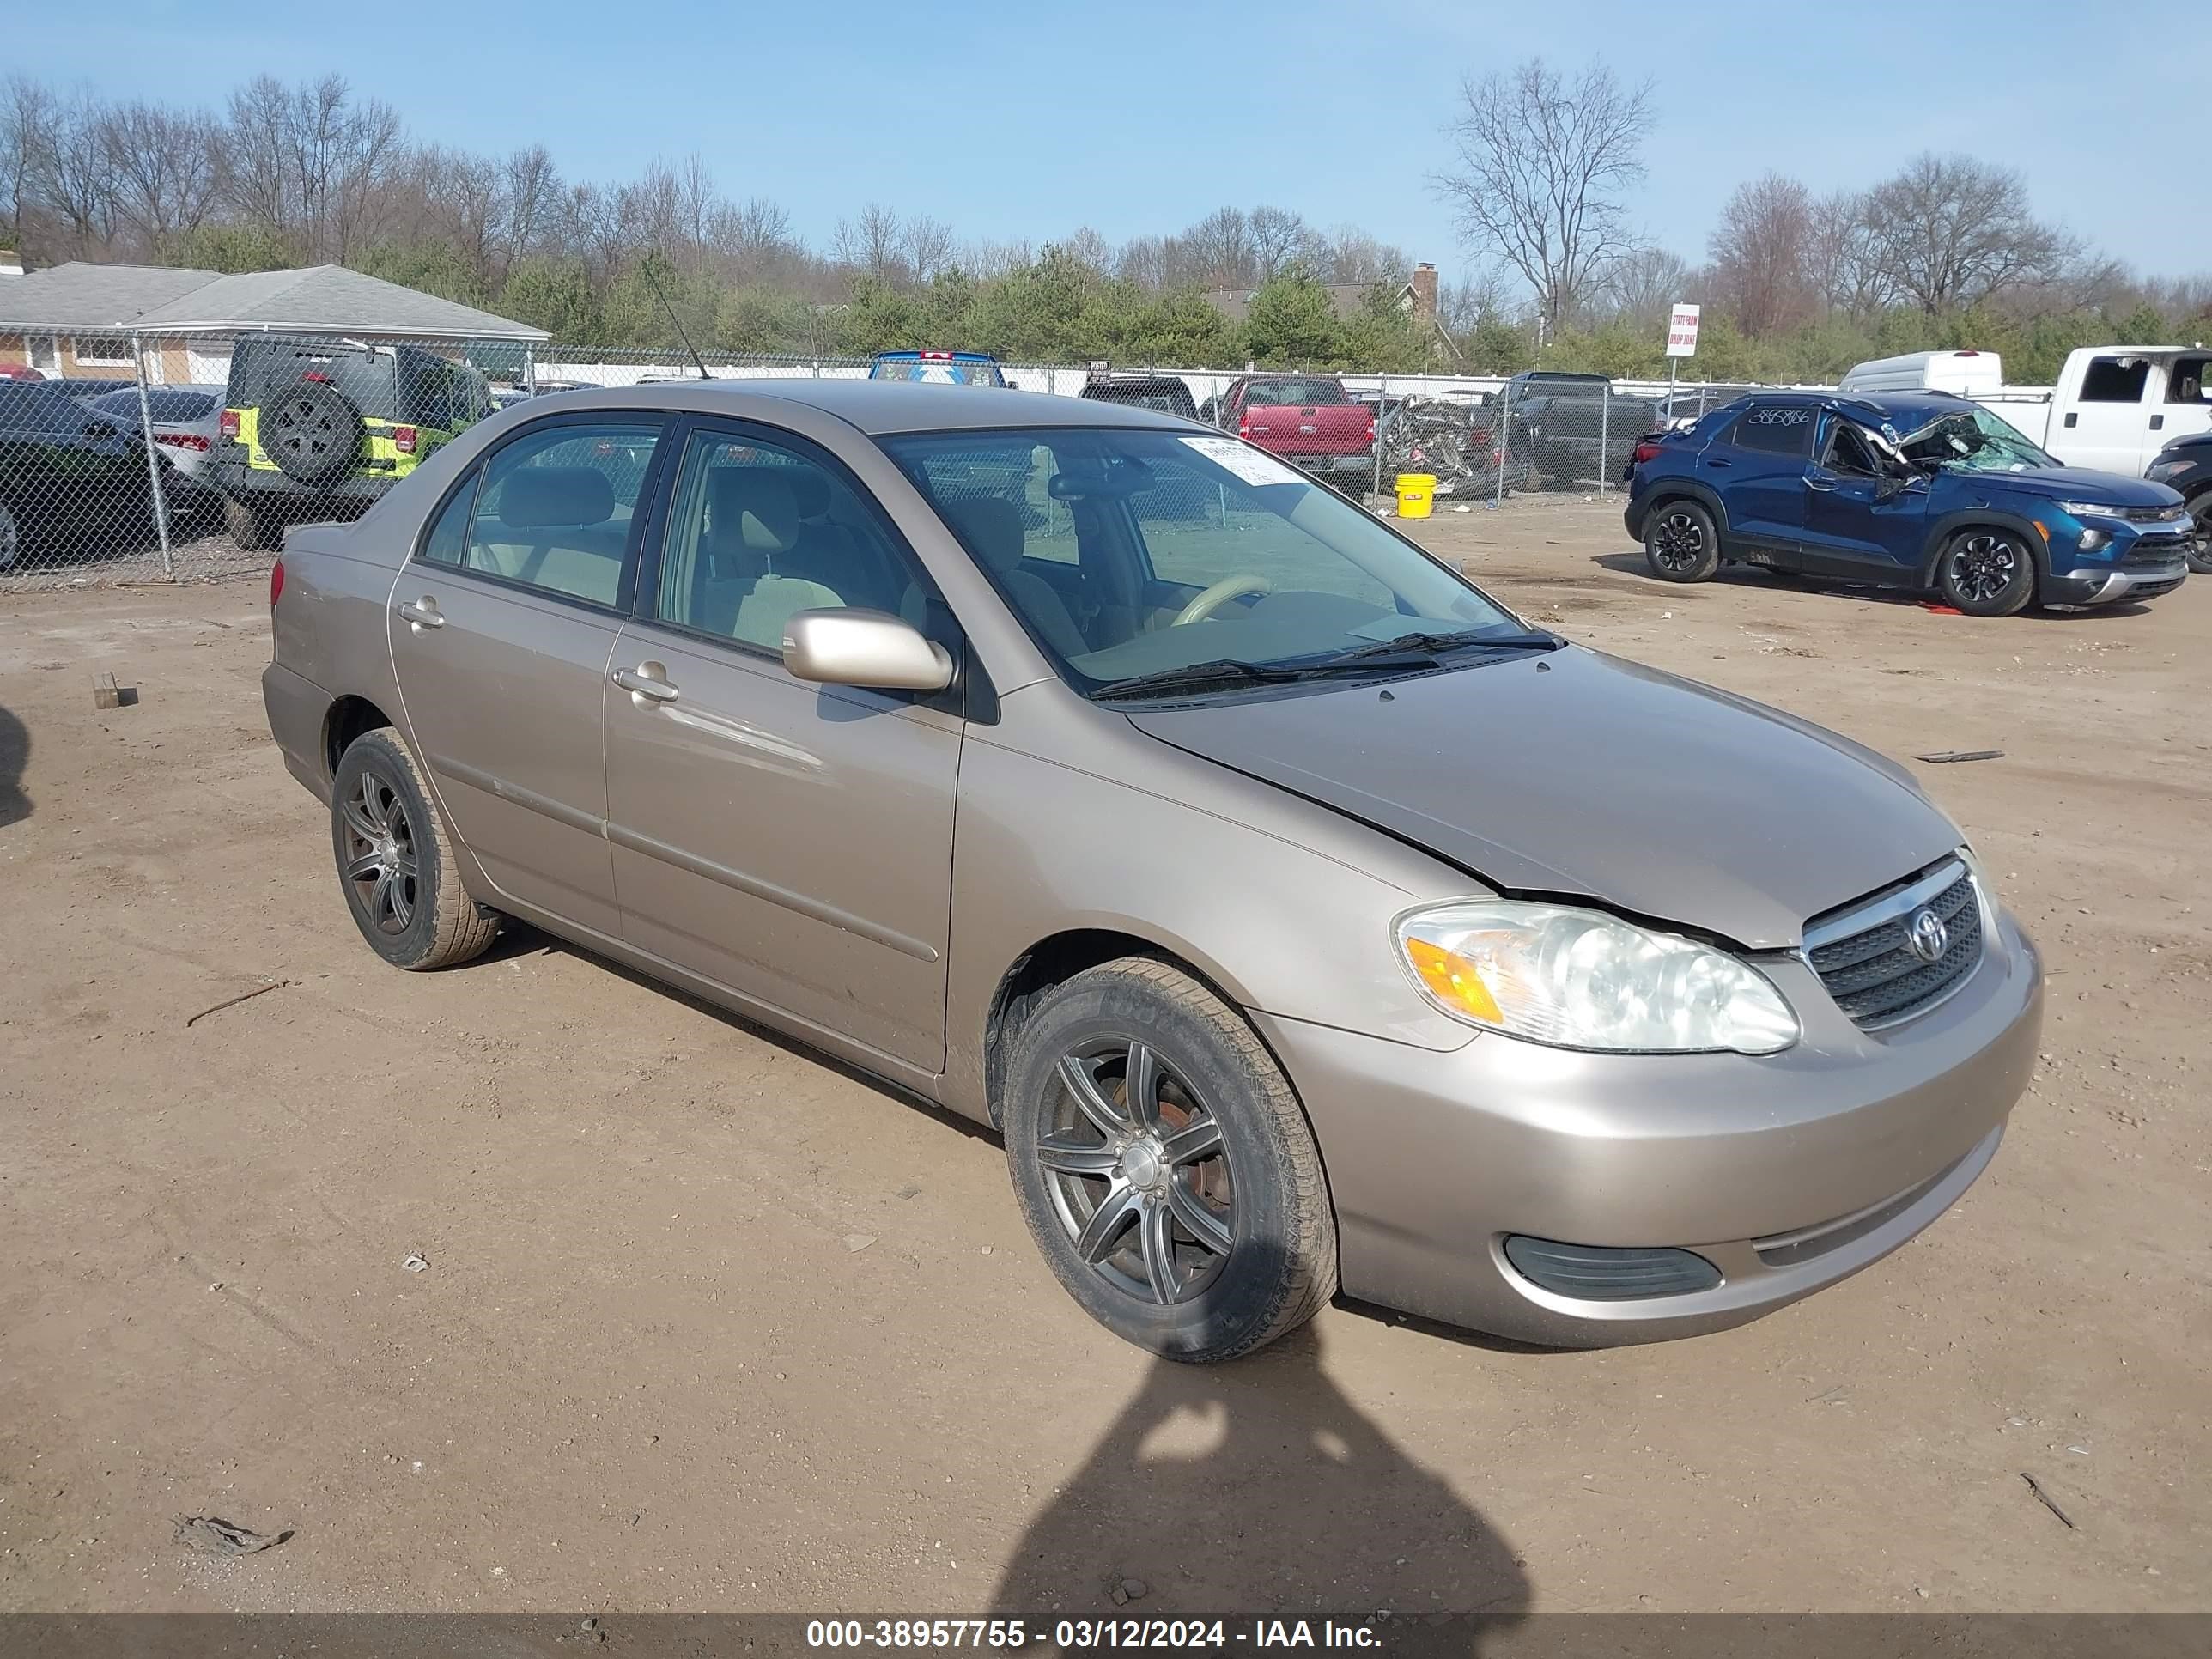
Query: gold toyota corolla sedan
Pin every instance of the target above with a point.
(1301, 917)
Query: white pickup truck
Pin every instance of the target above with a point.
(2114, 407)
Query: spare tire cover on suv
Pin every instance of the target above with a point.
(311, 432)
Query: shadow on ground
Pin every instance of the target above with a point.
(1259, 1489)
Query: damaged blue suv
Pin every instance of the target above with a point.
(1923, 490)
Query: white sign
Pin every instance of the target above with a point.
(1255, 466)
(1682, 332)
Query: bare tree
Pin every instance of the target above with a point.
(26, 115)
(531, 192)
(1220, 247)
(1279, 238)
(1763, 256)
(869, 242)
(1542, 166)
(1840, 257)
(1644, 285)
(925, 244)
(162, 167)
(1349, 254)
(1088, 249)
(1143, 260)
(76, 174)
(1948, 230)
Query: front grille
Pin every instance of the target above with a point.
(1863, 953)
(2155, 515)
(2147, 554)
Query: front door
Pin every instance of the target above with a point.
(1861, 521)
(502, 627)
(790, 841)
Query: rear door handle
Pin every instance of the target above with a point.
(423, 615)
(644, 687)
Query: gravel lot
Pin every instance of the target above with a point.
(709, 1324)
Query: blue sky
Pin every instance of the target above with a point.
(1028, 120)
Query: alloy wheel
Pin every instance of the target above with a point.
(380, 858)
(1679, 543)
(1138, 1172)
(1982, 566)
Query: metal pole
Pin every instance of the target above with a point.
(1382, 420)
(1504, 434)
(1604, 461)
(152, 458)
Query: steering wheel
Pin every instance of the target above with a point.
(1228, 587)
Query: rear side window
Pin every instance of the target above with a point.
(554, 512)
(2189, 380)
(1775, 430)
(2115, 380)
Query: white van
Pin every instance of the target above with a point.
(1967, 374)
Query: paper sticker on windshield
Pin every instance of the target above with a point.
(1255, 466)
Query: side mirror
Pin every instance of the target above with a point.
(870, 648)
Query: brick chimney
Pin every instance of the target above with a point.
(1424, 285)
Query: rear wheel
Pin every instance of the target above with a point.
(2200, 555)
(1163, 1166)
(1681, 542)
(11, 534)
(396, 863)
(1986, 573)
(249, 526)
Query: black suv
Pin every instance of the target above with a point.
(2185, 466)
(318, 428)
(1165, 392)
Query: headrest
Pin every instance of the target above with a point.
(538, 497)
(991, 527)
(754, 505)
(811, 490)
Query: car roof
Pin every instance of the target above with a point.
(878, 407)
(1918, 407)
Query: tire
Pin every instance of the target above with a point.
(1986, 573)
(407, 898)
(2200, 557)
(11, 534)
(1268, 1262)
(311, 432)
(249, 526)
(1681, 542)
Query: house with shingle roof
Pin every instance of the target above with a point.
(76, 319)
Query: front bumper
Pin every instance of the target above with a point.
(2143, 574)
(1787, 1173)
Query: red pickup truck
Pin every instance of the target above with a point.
(1309, 420)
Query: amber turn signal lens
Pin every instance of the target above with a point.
(1451, 979)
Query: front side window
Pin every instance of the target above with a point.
(555, 509)
(1775, 430)
(1850, 453)
(760, 531)
(1192, 550)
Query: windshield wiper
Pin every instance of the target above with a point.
(1200, 676)
(1431, 644)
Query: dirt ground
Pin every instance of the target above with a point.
(708, 1324)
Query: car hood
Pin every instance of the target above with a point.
(2078, 483)
(1579, 775)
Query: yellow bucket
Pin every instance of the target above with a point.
(1417, 495)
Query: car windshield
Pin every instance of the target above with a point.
(1977, 442)
(1134, 553)
(1261, 393)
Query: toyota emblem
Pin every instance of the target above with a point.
(1928, 937)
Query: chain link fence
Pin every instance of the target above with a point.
(133, 458)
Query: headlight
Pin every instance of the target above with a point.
(1581, 979)
(2090, 509)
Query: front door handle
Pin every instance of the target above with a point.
(1714, 460)
(2158, 422)
(648, 683)
(423, 615)
(1820, 481)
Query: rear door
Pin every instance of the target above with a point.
(790, 841)
(503, 627)
(2184, 406)
(1758, 468)
(2108, 426)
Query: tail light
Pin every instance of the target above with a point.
(1370, 428)
(276, 581)
(1244, 423)
(181, 440)
(228, 425)
(1646, 451)
(403, 439)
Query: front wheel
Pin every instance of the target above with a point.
(1164, 1166)
(2200, 554)
(1986, 573)
(249, 526)
(1680, 543)
(396, 862)
(11, 534)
